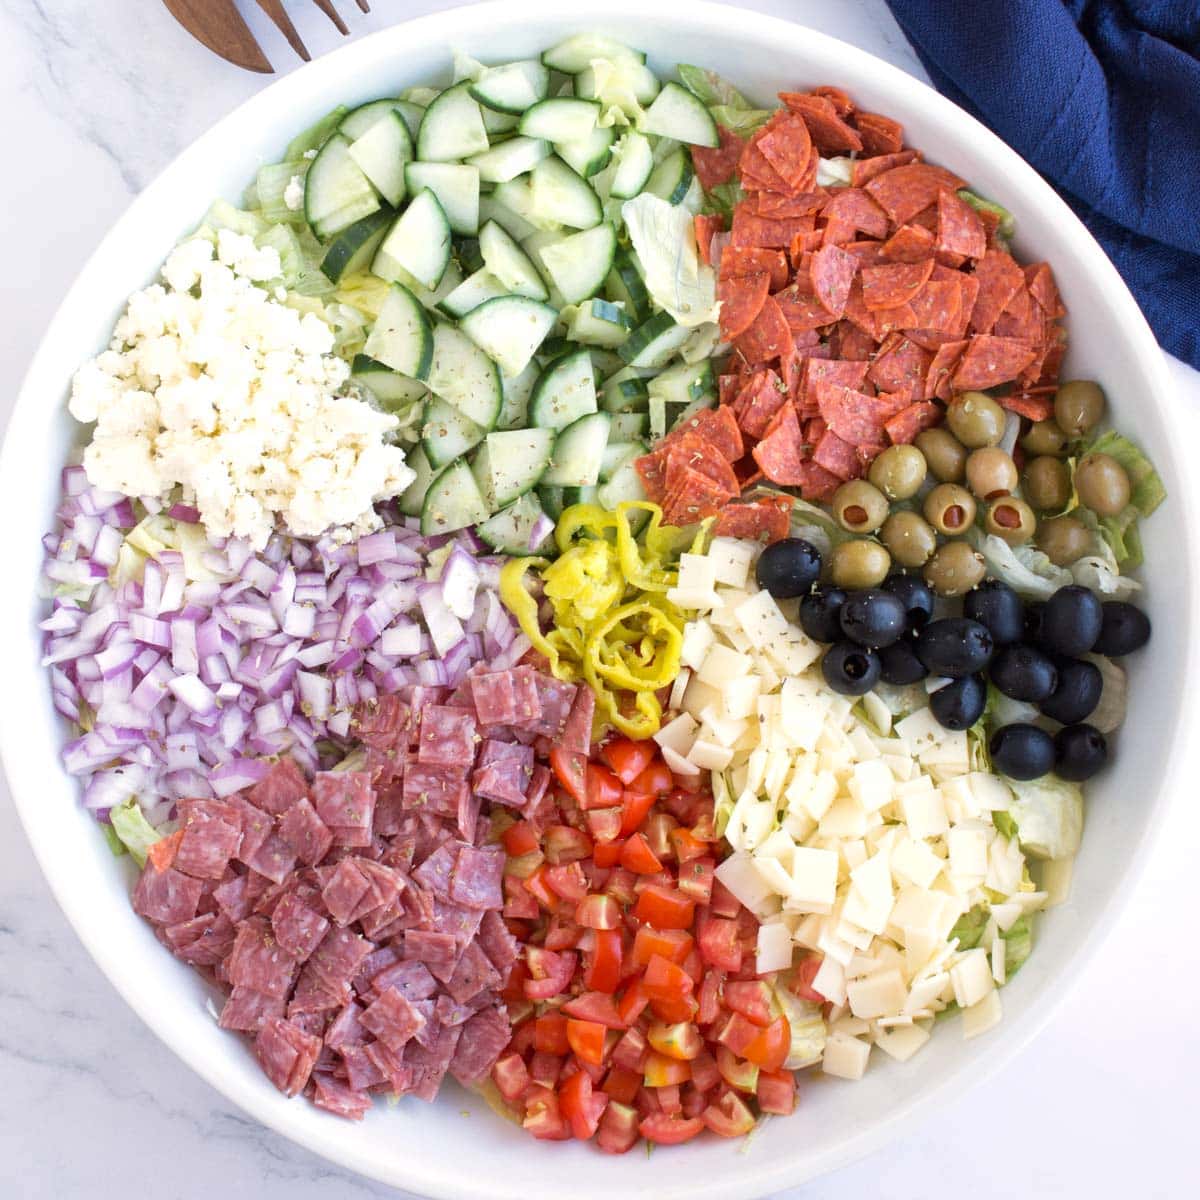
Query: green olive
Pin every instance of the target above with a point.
(944, 454)
(1078, 406)
(1047, 483)
(909, 538)
(1102, 484)
(955, 569)
(976, 420)
(899, 472)
(859, 506)
(1010, 518)
(991, 472)
(860, 564)
(1063, 540)
(950, 509)
(1045, 437)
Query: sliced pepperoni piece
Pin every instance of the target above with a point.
(818, 373)
(832, 271)
(959, 229)
(855, 209)
(705, 227)
(909, 244)
(880, 135)
(780, 455)
(854, 416)
(905, 191)
(838, 457)
(742, 298)
(842, 104)
(781, 206)
(694, 453)
(906, 424)
(830, 133)
(990, 360)
(1039, 279)
(851, 343)
(718, 427)
(1036, 406)
(942, 368)
(865, 169)
(786, 145)
(651, 470)
(817, 484)
(803, 313)
(750, 260)
(894, 284)
(763, 521)
(903, 364)
(758, 402)
(768, 337)
(1022, 318)
(757, 172)
(938, 306)
(694, 498)
(716, 165)
(749, 229)
(866, 250)
(998, 277)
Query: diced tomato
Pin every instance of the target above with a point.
(550, 1034)
(654, 780)
(705, 829)
(162, 853)
(565, 844)
(545, 1069)
(520, 839)
(581, 1106)
(522, 1037)
(550, 972)
(678, 1008)
(602, 963)
(770, 1049)
(718, 939)
(661, 1071)
(669, 1131)
(724, 902)
(543, 1118)
(709, 997)
(694, 1100)
(567, 882)
(569, 769)
(561, 934)
(514, 989)
(595, 1006)
(538, 886)
(737, 1032)
(519, 903)
(627, 758)
(696, 878)
(751, 999)
(598, 912)
(665, 980)
(621, 1084)
(803, 976)
(687, 846)
(646, 1101)
(638, 857)
(684, 804)
(635, 807)
(618, 1131)
(510, 1076)
(736, 1071)
(633, 1002)
(586, 1038)
(670, 1100)
(665, 908)
(603, 789)
(777, 1092)
(681, 1040)
(657, 831)
(620, 884)
(729, 1117)
(594, 1071)
(606, 854)
(673, 944)
(662, 879)
(704, 1071)
(605, 826)
(631, 1050)
(694, 965)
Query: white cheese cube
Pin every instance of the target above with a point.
(843, 819)
(925, 991)
(779, 846)
(971, 977)
(678, 734)
(959, 799)
(902, 1042)
(798, 825)
(846, 1057)
(916, 908)
(920, 730)
(854, 853)
(819, 794)
(709, 756)
(924, 812)
(698, 638)
(768, 677)
(830, 980)
(697, 572)
(795, 652)
(773, 874)
(901, 766)
(920, 946)
(1006, 915)
(801, 715)
(722, 666)
(999, 959)
(834, 947)
(750, 822)
(738, 874)
(864, 744)
(1056, 880)
(679, 689)
(731, 559)
(968, 846)
(813, 877)
(981, 1017)
(871, 785)
(774, 951)
(678, 764)
(739, 695)
(779, 763)
(722, 728)
(915, 862)
(1005, 865)
(877, 995)
(760, 618)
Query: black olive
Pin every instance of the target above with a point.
(1080, 751)
(900, 663)
(1023, 672)
(820, 614)
(954, 646)
(1077, 693)
(916, 596)
(1123, 629)
(873, 618)
(1071, 621)
(1035, 615)
(849, 669)
(995, 605)
(959, 703)
(1022, 751)
(788, 568)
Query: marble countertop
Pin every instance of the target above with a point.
(97, 98)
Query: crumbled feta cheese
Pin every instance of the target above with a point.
(212, 385)
(293, 194)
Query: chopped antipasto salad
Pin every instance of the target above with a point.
(590, 587)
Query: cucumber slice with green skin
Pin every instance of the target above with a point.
(633, 79)
(509, 159)
(579, 451)
(510, 463)
(635, 161)
(516, 196)
(510, 329)
(402, 337)
(555, 347)
(672, 177)
(514, 408)
(588, 155)
(625, 392)
(616, 454)
(472, 292)
(381, 153)
(469, 257)
(412, 499)
(684, 382)
(465, 377)
(315, 136)
(629, 426)
(490, 209)
(393, 392)
(497, 124)
(513, 529)
(452, 502)
(418, 243)
(365, 117)
(412, 115)
(561, 120)
(606, 362)
(456, 186)
(336, 192)
(626, 484)
(446, 434)
(579, 495)
(354, 248)
(654, 342)
(509, 263)
(626, 287)
(561, 196)
(431, 299)
(551, 500)
(677, 113)
(579, 264)
(452, 127)
(600, 323)
(565, 392)
(665, 415)
(513, 87)
(579, 51)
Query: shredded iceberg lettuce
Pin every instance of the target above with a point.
(663, 237)
(1024, 568)
(136, 834)
(1049, 816)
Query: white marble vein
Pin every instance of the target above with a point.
(97, 97)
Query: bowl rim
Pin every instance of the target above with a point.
(753, 1177)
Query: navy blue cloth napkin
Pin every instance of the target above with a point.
(1103, 98)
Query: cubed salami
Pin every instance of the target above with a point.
(497, 941)
(555, 696)
(577, 732)
(305, 833)
(338, 957)
(473, 974)
(392, 1019)
(344, 890)
(166, 897)
(298, 927)
(280, 788)
(475, 882)
(248, 1011)
(435, 789)
(206, 846)
(258, 961)
(435, 872)
(382, 723)
(410, 977)
(447, 737)
(433, 948)
(346, 1028)
(274, 858)
(502, 782)
(344, 799)
(338, 1098)
(483, 1039)
(287, 1054)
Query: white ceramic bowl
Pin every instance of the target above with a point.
(436, 1150)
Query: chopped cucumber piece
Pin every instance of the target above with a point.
(579, 264)
(412, 499)
(629, 426)
(625, 392)
(580, 495)
(510, 463)
(354, 248)
(518, 530)
(617, 454)
(513, 87)
(677, 113)
(516, 196)
(635, 161)
(509, 263)
(336, 192)
(600, 323)
(672, 178)
(456, 186)
(579, 51)
(510, 329)
(684, 382)
(446, 434)
(490, 209)
(564, 392)
(551, 500)
(418, 243)
(472, 292)
(509, 159)
(629, 85)
(393, 391)
(626, 484)
(560, 195)
(514, 408)
(626, 287)
(412, 115)
(402, 337)
(315, 135)
(468, 256)
(452, 127)
(579, 451)
(452, 502)
(381, 153)
(561, 120)
(464, 376)
(588, 155)
(498, 124)
(365, 117)
(654, 342)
